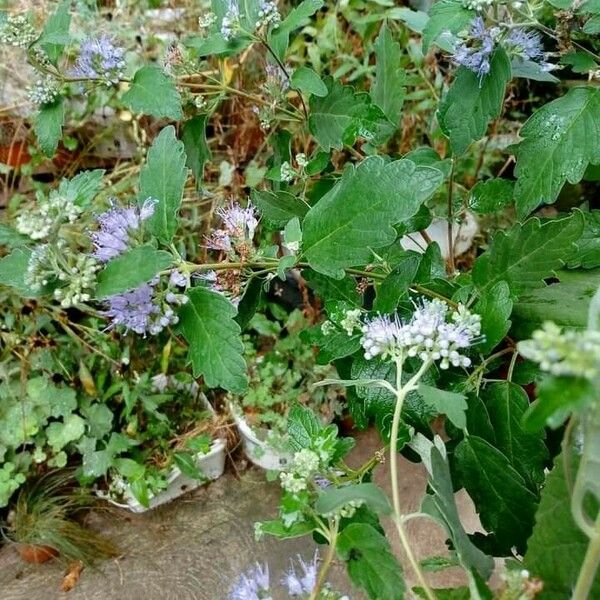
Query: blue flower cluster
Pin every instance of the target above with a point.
(100, 58)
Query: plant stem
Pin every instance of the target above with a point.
(589, 568)
(324, 570)
(401, 393)
(451, 265)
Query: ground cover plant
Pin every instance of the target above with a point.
(403, 194)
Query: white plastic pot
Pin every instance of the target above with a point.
(257, 451)
(211, 464)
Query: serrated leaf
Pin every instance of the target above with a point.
(48, 126)
(491, 196)
(556, 548)
(163, 178)
(153, 93)
(445, 16)
(82, 188)
(215, 349)
(357, 215)
(471, 102)
(371, 495)
(559, 141)
(302, 426)
(440, 503)
(451, 404)
(388, 89)
(370, 562)
(278, 207)
(396, 285)
(60, 434)
(566, 303)
(298, 16)
(495, 307)
(343, 115)
(55, 35)
(504, 502)
(193, 136)
(13, 268)
(506, 404)
(307, 81)
(587, 254)
(527, 254)
(131, 269)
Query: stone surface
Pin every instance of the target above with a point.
(193, 548)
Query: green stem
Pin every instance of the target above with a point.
(324, 570)
(401, 393)
(589, 568)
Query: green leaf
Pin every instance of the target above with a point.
(368, 493)
(131, 269)
(471, 102)
(187, 465)
(307, 81)
(451, 404)
(11, 238)
(554, 404)
(13, 268)
(505, 504)
(566, 303)
(491, 196)
(370, 562)
(559, 141)
(163, 178)
(332, 289)
(440, 504)
(343, 115)
(556, 549)
(60, 434)
(297, 17)
(153, 93)
(445, 16)
(215, 349)
(587, 254)
(358, 214)
(55, 35)
(82, 188)
(506, 404)
(302, 427)
(495, 307)
(388, 89)
(396, 285)
(277, 529)
(48, 126)
(278, 207)
(527, 254)
(99, 419)
(193, 136)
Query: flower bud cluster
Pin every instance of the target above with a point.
(44, 91)
(80, 280)
(47, 216)
(231, 21)
(304, 465)
(268, 14)
(17, 31)
(39, 270)
(479, 5)
(434, 333)
(346, 511)
(558, 352)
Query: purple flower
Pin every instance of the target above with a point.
(100, 58)
(142, 310)
(219, 240)
(475, 53)
(276, 77)
(298, 585)
(252, 585)
(527, 44)
(177, 279)
(116, 226)
(239, 222)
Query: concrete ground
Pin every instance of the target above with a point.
(193, 548)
